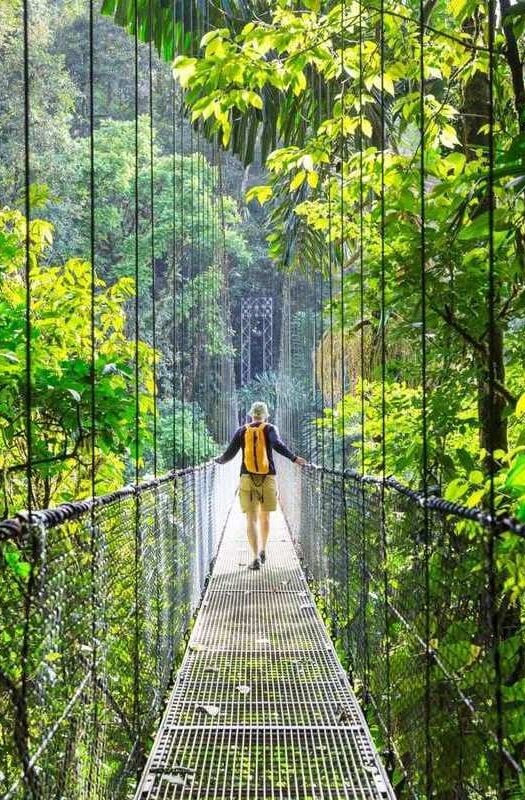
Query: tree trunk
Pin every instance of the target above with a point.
(491, 410)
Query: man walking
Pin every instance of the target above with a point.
(258, 487)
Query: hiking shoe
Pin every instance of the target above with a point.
(262, 556)
(256, 564)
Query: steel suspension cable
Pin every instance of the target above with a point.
(383, 316)
(93, 543)
(152, 241)
(153, 296)
(28, 388)
(199, 313)
(363, 531)
(322, 365)
(183, 300)
(137, 549)
(175, 317)
(342, 322)
(191, 344)
(424, 425)
(23, 734)
(222, 234)
(332, 401)
(315, 455)
(494, 610)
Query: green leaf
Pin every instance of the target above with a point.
(476, 476)
(366, 127)
(184, 69)
(261, 193)
(520, 406)
(19, 567)
(516, 475)
(478, 228)
(12, 358)
(456, 489)
(297, 180)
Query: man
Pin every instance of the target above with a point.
(258, 488)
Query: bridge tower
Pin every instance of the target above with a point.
(256, 336)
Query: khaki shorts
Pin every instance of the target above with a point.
(258, 491)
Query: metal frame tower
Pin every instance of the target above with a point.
(256, 319)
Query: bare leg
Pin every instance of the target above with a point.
(251, 531)
(264, 527)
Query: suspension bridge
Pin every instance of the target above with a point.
(261, 705)
(379, 653)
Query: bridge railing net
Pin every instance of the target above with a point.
(100, 599)
(363, 548)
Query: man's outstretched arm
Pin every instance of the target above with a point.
(232, 449)
(280, 447)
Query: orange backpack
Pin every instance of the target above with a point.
(255, 453)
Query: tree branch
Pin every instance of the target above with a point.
(516, 67)
(447, 315)
(51, 460)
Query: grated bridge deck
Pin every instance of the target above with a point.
(261, 707)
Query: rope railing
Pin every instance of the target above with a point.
(335, 521)
(107, 587)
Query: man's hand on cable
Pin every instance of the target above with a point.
(300, 461)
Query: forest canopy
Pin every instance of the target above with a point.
(156, 210)
(386, 142)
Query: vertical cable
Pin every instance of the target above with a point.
(28, 389)
(333, 616)
(383, 525)
(136, 241)
(424, 431)
(93, 533)
(92, 246)
(342, 224)
(314, 453)
(364, 549)
(200, 331)
(322, 357)
(30, 778)
(191, 331)
(152, 225)
(153, 293)
(198, 311)
(492, 333)
(174, 376)
(183, 316)
(342, 323)
(136, 615)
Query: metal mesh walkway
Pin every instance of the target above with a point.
(261, 707)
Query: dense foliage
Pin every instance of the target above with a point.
(398, 172)
(61, 352)
(114, 344)
(395, 151)
(344, 189)
(156, 220)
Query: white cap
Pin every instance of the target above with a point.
(258, 410)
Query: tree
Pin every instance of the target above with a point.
(61, 369)
(389, 171)
(52, 101)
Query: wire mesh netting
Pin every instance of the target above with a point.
(262, 707)
(362, 546)
(101, 597)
